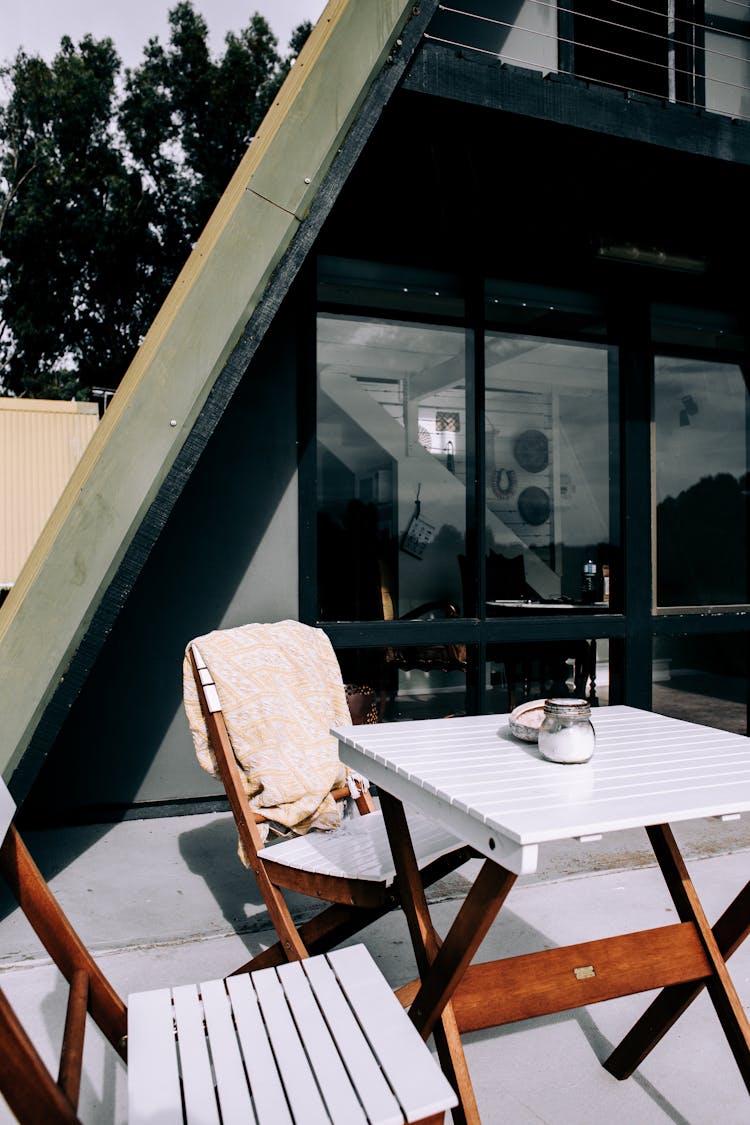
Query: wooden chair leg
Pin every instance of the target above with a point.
(336, 923)
(56, 934)
(25, 1081)
(324, 931)
(71, 1054)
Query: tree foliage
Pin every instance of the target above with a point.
(106, 181)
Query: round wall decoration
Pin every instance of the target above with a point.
(531, 450)
(534, 506)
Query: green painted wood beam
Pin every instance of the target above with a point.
(192, 338)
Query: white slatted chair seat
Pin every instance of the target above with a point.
(323, 1040)
(360, 849)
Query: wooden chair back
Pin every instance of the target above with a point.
(292, 940)
(247, 819)
(26, 1083)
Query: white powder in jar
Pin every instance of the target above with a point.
(569, 744)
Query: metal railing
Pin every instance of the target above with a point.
(713, 80)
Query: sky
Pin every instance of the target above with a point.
(38, 25)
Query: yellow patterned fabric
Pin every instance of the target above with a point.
(281, 691)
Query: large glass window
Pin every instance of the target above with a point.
(548, 472)
(477, 541)
(702, 679)
(548, 414)
(701, 461)
(391, 468)
(727, 57)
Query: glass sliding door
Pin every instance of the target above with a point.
(391, 466)
(476, 540)
(391, 492)
(700, 517)
(548, 466)
(550, 496)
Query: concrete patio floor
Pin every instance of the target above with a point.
(166, 901)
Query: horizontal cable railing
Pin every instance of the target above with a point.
(707, 74)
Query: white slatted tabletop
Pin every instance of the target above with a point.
(317, 1041)
(499, 795)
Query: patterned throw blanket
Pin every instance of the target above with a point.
(281, 691)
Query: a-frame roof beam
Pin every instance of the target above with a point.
(81, 571)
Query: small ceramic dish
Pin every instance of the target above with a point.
(526, 720)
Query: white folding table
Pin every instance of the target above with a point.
(500, 796)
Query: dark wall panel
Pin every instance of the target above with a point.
(227, 555)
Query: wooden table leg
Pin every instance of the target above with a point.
(730, 931)
(478, 912)
(425, 942)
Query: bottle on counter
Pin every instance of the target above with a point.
(588, 583)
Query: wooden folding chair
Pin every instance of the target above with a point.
(30, 1090)
(350, 868)
(280, 1047)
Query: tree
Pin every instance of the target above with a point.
(102, 194)
(72, 207)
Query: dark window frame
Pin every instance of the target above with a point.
(630, 631)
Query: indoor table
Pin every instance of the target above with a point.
(499, 795)
(583, 652)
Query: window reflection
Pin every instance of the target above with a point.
(703, 680)
(548, 495)
(701, 483)
(519, 671)
(548, 488)
(388, 684)
(391, 468)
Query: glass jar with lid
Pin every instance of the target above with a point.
(566, 734)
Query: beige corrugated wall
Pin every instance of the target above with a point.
(41, 442)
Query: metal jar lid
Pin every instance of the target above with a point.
(576, 707)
